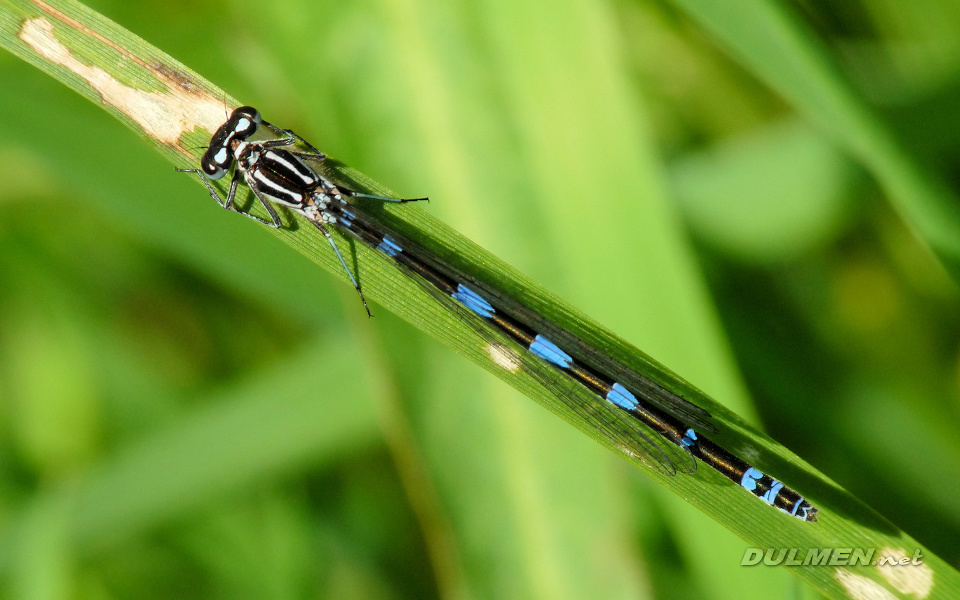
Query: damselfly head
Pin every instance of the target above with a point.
(218, 158)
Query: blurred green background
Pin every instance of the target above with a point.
(190, 409)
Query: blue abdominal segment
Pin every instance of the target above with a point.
(549, 352)
(752, 478)
(389, 247)
(622, 397)
(473, 301)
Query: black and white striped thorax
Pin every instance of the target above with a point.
(283, 178)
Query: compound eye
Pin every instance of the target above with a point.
(245, 121)
(219, 156)
(211, 169)
(250, 112)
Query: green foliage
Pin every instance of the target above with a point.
(190, 408)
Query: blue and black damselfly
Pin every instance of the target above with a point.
(666, 429)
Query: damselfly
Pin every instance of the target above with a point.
(666, 429)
